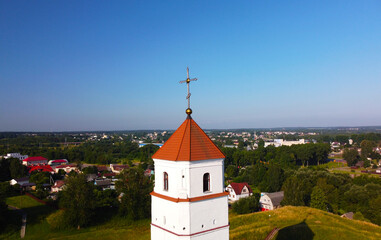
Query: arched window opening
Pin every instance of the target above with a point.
(165, 181)
(206, 182)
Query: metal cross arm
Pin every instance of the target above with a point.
(187, 81)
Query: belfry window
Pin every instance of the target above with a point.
(206, 181)
(165, 181)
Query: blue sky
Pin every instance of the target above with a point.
(115, 65)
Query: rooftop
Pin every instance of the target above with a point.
(239, 186)
(188, 143)
(31, 159)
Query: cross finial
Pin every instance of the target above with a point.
(188, 80)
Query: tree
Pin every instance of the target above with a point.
(331, 193)
(136, 201)
(375, 210)
(304, 153)
(247, 205)
(351, 156)
(360, 217)
(321, 152)
(17, 170)
(3, 210)
(5, 174)
(106, 198)
(231, 171)
(39, 178)
(261, 143)
(90, 170)
(318, 199)
(78, 201)
(343, 139)
(367, 148)
(273, 179)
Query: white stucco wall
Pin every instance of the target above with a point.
(185, 180)
(191, 185)
(265, 202)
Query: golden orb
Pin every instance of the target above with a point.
(188, 80)
(188, 111)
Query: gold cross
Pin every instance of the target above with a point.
(188, 80)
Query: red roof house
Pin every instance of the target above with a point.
(58, 186)
(238, 190)
(34, 161)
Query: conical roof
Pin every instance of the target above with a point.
(188, 143)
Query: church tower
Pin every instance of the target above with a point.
(189, 201)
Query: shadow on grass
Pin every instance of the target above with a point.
(298, 231)
(38, 213)
(103, 215)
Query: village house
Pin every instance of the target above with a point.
(270, 201)
(348, 215)
(58, 186)
(104, 184)
(33, 161)
(148, 172)
(20, 181)
(58, 162)
(115, 168)
(66, 168)
(238, 191)
(16, 155)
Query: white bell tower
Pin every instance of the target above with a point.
(189, 201)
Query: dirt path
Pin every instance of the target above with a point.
(23, 219)
(272, 234)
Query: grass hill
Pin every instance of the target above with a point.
(294, 223)
(300, 223)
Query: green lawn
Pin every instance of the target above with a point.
(22, 201)
(294, 223)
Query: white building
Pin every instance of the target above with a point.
(16, 155)
(58, 162)
(66, 168)
(189, 201)
(281, 142)
(270, 201)
(238, 191)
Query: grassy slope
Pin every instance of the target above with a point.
(300, 223)
(295, 223)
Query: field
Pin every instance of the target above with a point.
(294, 223)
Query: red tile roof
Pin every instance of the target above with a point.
(59, 183)
(237, 187)
(42, 168)
(31, 159)
(188, 143)
(59, 161)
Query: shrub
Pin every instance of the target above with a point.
(57, 220)
(359, 216)
(247, 205)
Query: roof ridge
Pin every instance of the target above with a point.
(210, 140)
(182, 139)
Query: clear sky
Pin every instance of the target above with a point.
(115, 65)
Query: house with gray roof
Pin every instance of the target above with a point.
(270, 201)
